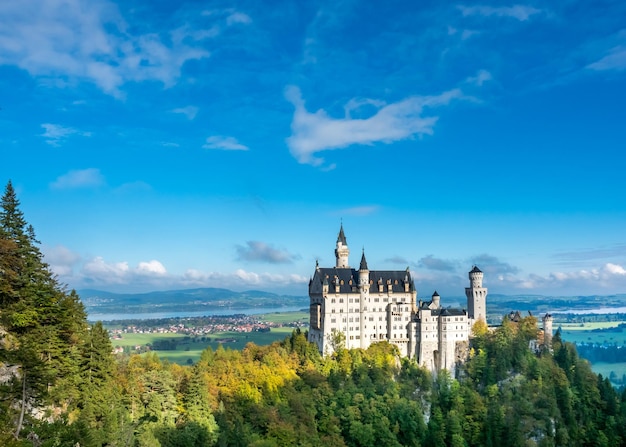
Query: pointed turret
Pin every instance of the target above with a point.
(342, 237)
(341, 251)
(363, 265)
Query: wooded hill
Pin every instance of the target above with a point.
(61, 386)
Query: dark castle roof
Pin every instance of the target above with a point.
(475, 270)
(342, 237)
(363, 265)
(348, 280)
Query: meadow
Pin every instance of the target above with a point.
(595, 332)
(189, 348)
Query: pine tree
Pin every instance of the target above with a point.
(46, 324)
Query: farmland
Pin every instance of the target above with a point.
(184, 345)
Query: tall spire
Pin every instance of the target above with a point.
(363, 262)
(342, 237)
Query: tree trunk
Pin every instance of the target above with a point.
(21, 419)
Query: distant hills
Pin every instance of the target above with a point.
(187, 300)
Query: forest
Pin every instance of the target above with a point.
(60, 384)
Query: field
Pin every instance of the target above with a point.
(286, 317)
(188, 349)
(600, 332)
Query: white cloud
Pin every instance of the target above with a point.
(609, 278)
(238, 17)
(316, 132)
(98, 271)
(519, 12)
(190, 111)
(614, 269)
(481, 77)
(84, 178)
(615, 60)
(224, 143)
(153, 267)
(71, 39)
(242, 279)
(55, 134)
(61, 259)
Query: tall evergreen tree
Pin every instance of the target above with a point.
(35, 311)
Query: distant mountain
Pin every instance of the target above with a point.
(201, 299)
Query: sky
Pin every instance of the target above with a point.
(162, 145)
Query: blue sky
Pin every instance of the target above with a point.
(161, 144)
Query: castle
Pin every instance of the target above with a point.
(359, 307)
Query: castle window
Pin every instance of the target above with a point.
(340, 311)
(333, 320)
(341, 300)
(332, 310)
(351, 300)
(386, 300)
(356, 300)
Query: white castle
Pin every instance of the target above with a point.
(361, 307)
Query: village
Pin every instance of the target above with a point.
(196, 326)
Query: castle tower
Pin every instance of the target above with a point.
(341, 251)
(364, 289)
(476, 297)
(435, 303)
(547, 331)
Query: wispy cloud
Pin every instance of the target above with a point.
(56, 134)
(398, 260)
(238, 17)
(481, 77)
(224, 143)
(365, 210)
(93, 44)
(190, 111)
(432, 263)
(317, 132)
(519, 12)
(614, 60)
(83, 178)
(574, 257)
(261, 252)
